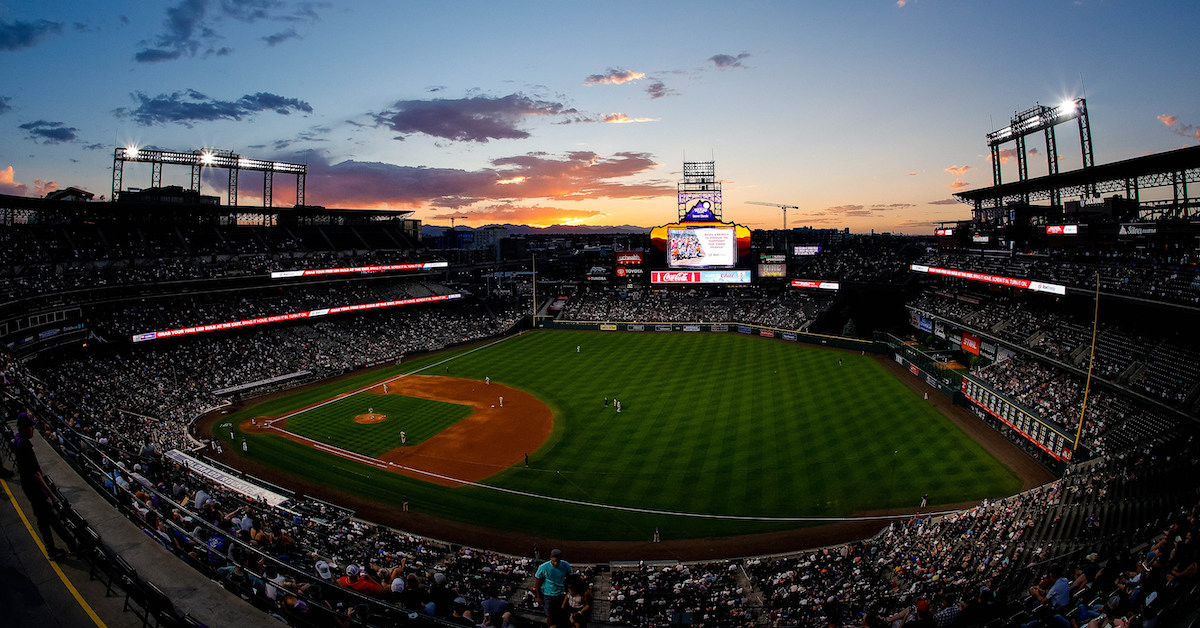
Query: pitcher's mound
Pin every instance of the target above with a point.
(368, 419)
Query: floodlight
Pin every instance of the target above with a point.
(131, 151)
(206, 158)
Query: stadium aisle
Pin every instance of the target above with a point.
(31, 591)
(40, 597)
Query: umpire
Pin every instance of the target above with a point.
(41, 498)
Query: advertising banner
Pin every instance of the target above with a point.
(630, 258)
(767, 333)
(1036, 286)
(787, 335)
(772, 270)
(662, 328)
(815, 284)
(279, 318)
(742, 329)
(314, 272)
(720, 328)
(691, 328)
(925, 324)
(970, 343)
(608, 327)
(635, 328)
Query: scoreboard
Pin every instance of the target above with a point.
(1047, 436)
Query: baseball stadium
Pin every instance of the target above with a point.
(715, 426)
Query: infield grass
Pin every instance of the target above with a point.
(711, 424)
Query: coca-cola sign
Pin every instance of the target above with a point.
(674, 276)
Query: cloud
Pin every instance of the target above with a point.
(280, 37)
(536, 215)
(659, 89)
(41, 187)
(614, 76)
(1185, 130)
(475, 119)
(958, 184)
(901, 3)
(958, 170)
(620, 118)
(4, 106)
(9, 184)
(190, 106)
(728, 62)
(18, 35)
(184, 28)
(891, 207)
(944, 201)
(191, 26)
(1006, 154)
(46, 132)
(575, 176)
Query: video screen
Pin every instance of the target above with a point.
(701, 247)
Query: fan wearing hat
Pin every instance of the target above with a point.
(552, 588)
(360, 580)
(41, 498)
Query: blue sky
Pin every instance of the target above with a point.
(867, 115)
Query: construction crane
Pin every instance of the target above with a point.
(780, 206)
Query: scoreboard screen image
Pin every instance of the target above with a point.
(701, 247)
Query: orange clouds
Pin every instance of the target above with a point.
(958, 172)
(614, 76)
(1185, 130)
(620, 118)
(9, 184)
(536, 215)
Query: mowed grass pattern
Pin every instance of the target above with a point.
(334, 423)
(711, 424)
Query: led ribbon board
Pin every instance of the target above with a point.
(1027, 284)
(313, 272)
(279, 318)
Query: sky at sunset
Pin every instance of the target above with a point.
(867, 115)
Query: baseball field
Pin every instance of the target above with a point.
(717, 435)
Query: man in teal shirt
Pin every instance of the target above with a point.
(552, 588)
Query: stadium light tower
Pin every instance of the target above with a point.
(780, 206)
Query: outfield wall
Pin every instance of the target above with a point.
(839, 342)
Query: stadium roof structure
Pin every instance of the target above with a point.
(1175, 168)
(26, 210)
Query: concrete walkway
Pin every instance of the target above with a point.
(40, 593)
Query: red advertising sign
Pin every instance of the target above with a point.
(279, 318)
(1062, 229)
(313, 272)
(815, 284)
(629, 257)
(1027, 284)
(970, 343)
(674, 276)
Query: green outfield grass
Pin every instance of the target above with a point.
(711, 424)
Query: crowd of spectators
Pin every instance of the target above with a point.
(162, 389)
(862, 259)
(1133, 272)
(702, 594)
(305, 557)
(782, 309)
(1162, 367)
(50, 259)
